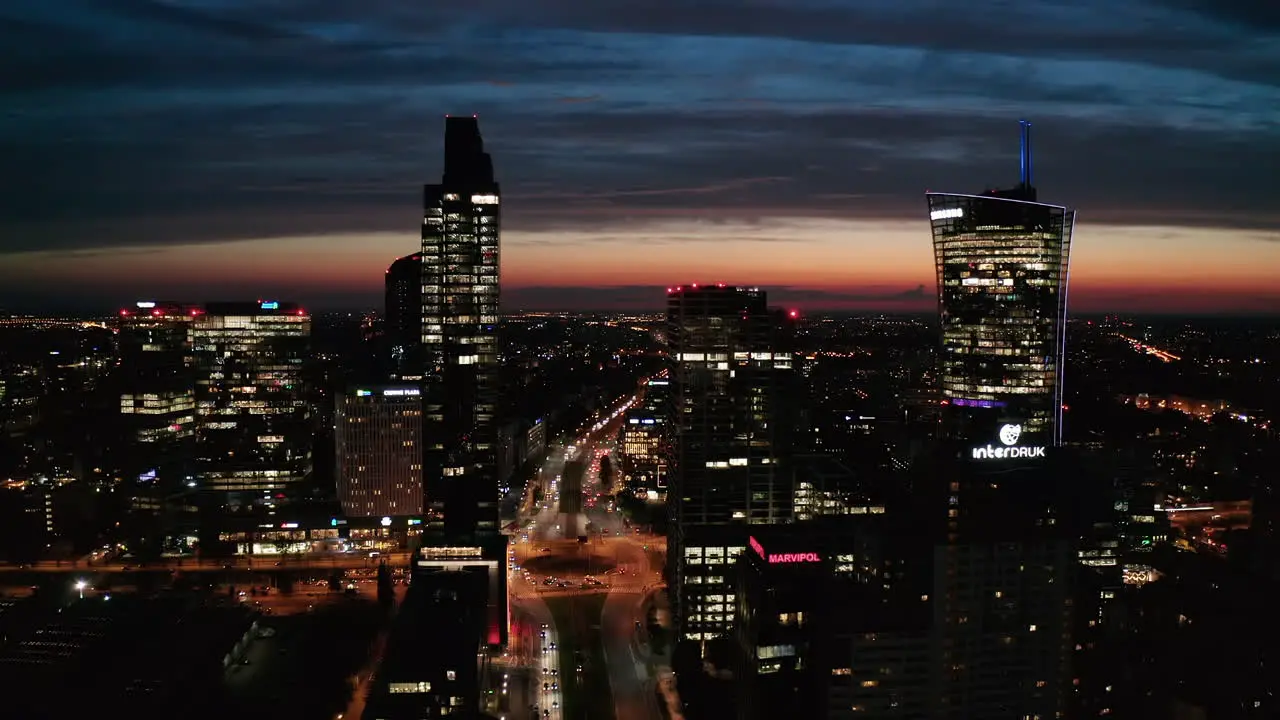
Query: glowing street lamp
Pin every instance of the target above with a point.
(80, 586)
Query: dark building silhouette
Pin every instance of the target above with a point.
(430, 667)
(403, 317)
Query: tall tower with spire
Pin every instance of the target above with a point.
(1002, 265)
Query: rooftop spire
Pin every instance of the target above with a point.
(1026, 153)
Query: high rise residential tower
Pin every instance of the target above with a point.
(727, 377)
(460, 231)
(1002, 262)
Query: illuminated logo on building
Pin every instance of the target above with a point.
(782, 558)
(272, 305)
(1009, 436)
(794, 558)
(946, 213)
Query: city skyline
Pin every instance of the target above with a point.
(795, 158)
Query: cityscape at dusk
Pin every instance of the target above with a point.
(237, 148)
(620, 360)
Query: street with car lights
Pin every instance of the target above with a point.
(585, 583)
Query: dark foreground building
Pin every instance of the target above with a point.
(431, 668)
(955, 603)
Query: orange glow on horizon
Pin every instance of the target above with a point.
(1113, 267)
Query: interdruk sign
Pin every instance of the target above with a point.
(1010, 449)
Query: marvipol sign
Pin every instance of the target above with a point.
(808, 557)
(794, 558)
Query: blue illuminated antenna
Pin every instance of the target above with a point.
(1026, 153)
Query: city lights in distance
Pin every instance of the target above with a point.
(946, 213)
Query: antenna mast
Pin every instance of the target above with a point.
(1026, 153)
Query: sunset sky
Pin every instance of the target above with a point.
(222, 149)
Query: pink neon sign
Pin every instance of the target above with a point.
(794, 558)
(782, 557)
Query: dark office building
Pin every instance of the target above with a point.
(1002, 261)
(254, 431)
(460, 261)
(432, 667)
(727, 376)
(403, 316)
(955, 603)
(157, 394)
(379, 445)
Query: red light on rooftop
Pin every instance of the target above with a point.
(719, 284)
(195, 312)
(302, 312)
(124, 313)
(157, 313)
(695, 286)
(793, 314)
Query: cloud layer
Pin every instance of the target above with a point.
(142, 122)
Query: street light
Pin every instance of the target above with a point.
(81, 585)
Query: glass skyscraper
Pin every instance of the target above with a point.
(1002, 264)
(460, 261)
(254, 423)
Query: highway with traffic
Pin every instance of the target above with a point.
(597, 564)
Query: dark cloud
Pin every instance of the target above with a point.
(143, 122)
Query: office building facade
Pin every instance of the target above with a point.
(647, 436)
(459, 338)
(726, 376)
(379, 447)
(254, 432)
(1002, 267)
